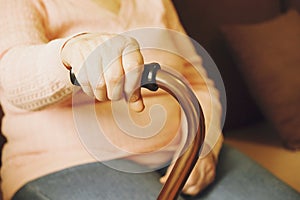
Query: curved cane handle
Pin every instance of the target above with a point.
(154, 77)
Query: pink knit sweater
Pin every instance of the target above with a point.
(35, 90)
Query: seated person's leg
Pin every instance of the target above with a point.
(92, 181)
(239, 178)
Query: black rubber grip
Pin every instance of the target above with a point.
(148, 77)
(73, 78)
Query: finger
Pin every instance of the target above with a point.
(100, 90)
(193, 190)
(199, 186)
(114, 79)
(133, 63)
(79, 68)
(193, 184)
(95, 76)
(82, 79)
(113, 73)
(193, 178)
(205, 177)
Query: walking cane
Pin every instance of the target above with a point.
(154, 77)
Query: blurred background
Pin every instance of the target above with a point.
(256, 46)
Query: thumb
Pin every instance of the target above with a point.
(136, 102)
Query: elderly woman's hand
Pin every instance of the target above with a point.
(108, 67)
(202, 175)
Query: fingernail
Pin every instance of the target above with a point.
(137, 106)
(134, 98)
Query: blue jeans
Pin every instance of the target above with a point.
(238, 178)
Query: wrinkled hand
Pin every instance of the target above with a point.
(202, 175)
(107, 66)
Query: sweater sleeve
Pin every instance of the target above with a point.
(31, 73)
(203, 86)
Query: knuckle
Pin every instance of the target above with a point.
(130, 44)
(210, 167)
(134, 62)
(114, 80)
(213, 174)
(131, 40)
